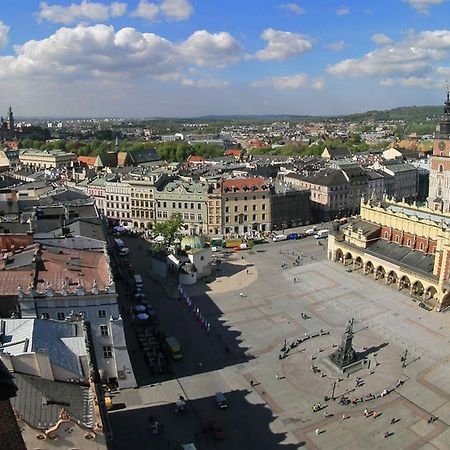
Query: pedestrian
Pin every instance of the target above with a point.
(317, 432)
(344, 416)
(386, 434)
(252, 383)
(325, 414)
(241, 294)
(247, 271)
(277, 376)
(393, 421)
(366, 412)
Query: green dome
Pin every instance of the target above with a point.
(192, 241)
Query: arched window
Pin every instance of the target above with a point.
(441, 168)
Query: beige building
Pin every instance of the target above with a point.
(45, 159)
(246, 205)
(142, 198)
(187, 198)
(400, 245)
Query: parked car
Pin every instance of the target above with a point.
(216, 431)
(279, 237)
(311, 231)
(292, 236)
(221, 401)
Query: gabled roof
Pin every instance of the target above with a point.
(337, 153)
(143, 156)
(40, 401)
(88, 160)
(34, 335)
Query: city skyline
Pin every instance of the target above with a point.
(182, 58)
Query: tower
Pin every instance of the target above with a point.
(10, 120)
(439, 191)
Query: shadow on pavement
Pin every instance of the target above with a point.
(202, 351)
(244, 425)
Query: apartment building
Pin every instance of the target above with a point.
(187, 198)
(118, 200)
(246, 205)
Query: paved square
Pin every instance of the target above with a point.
(271, 399)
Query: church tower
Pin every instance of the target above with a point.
(439, 188)
(10, 120)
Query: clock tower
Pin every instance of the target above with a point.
(439, 188)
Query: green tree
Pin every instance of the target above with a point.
(170, 229)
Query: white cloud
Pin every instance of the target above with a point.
(387, 82)
(343, 12)
(177, 9)
(297, 81)
(381, 39)
(282, 45)
(84, 11)
(293, 7)
(100, 52)
(146, 10)
(118, 9)
(423, 6)
(205, 84)
(167, 9)
(336, 46)
(415, 56)
(4, 34)
(211, 49)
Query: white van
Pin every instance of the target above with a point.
(322, 234)
(138, 281)
(311, 231)
(279, 237)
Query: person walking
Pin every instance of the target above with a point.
(317, 432)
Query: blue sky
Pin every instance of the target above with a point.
(144, 58)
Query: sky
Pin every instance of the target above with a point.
(187, 58)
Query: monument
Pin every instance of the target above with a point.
(345, 356)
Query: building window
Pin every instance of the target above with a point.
(263, 206)
(254, 207)
(199, 217)
(107, 352)
(101, 313)
(236, 208)
(61, 316)
(185, 206)
(396, 238)
(45, 316)
(164, 214)
(191, 216)
(173, 205)
(164, 205)
(441, 168)
(199, 206)
(192, 206)
(245, 208)
(386, 234)
(408, 243)
(421, 246)
(103, 330)
(254, 216)
(179, 205)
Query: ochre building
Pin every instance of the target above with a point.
(404, 246)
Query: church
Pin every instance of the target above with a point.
(7, 127)
(403, 245)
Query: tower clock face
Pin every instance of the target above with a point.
(442, 145)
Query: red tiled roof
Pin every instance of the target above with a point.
(244, 184)
(70, 266)
(233, 152)
(195, 158)
(88, 160)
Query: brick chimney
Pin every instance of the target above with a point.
(10, 435)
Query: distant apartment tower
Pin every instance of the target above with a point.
(439, 192)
